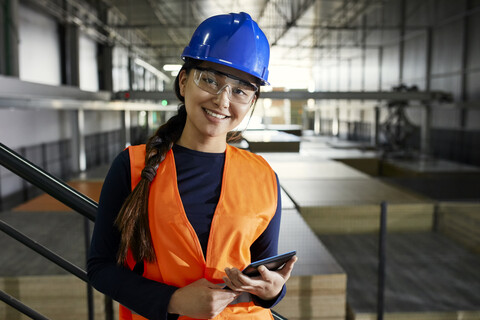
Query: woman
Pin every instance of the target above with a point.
(179, 217)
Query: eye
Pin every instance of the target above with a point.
(209, 80)
(239, 91)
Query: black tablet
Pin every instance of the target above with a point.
(272, 263)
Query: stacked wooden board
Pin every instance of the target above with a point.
(461, 222)
(317, 288)
(334, 198)
(463, 315)
(55, 296)
(271, 141)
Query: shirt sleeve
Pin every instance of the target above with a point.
(266, 246)
(143, 296)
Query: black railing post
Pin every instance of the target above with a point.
(90, 303)
(1, 196)
(382, 248)
(108, 308)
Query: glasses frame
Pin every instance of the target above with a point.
(248, 84)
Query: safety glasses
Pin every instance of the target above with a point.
(214, 82)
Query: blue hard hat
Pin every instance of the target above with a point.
(234, 40)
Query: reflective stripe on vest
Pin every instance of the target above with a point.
(247, 203)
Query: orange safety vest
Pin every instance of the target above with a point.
(247, 203)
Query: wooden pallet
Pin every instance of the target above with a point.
(353, 205)
(463, 315)
(461, 222)
(319, 169)
(366, 218)
(314, 297)
(348, 191)
(317, 288)
(56, 297)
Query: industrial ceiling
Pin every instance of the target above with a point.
(297, 29)
(302, 33)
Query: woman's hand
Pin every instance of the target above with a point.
(267, 286)
(200, 299)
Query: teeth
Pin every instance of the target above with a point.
(216, 115)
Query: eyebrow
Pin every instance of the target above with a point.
(228, 76)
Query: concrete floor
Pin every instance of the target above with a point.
(425, 272)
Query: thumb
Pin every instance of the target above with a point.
(264, 272)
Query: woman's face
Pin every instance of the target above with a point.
(212, 116)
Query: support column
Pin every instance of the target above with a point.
(305, 112)
(126, 128)
(425, 131)
(105, 52)
(79, 158)
(364, 51)
(150, 123)
(466, 51)
(429, 57)
(317, 125)
(105, 66)
(131, 72)
(336, 123)
(70, 54)
(9, 61)
(465, 62)
(376, 128)
(403, 17)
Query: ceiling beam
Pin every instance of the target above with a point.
(293, 20)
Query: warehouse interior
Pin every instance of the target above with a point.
(371, 122)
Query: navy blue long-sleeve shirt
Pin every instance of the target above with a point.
(199, 177)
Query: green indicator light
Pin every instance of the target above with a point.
(164, 103)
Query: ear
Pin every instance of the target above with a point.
(182, 82)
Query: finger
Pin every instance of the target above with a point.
(287, 269)
(224, 297)
(227, 294)
(235, 277)
(264, 273)
(228, 283)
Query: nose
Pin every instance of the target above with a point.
(223, 97)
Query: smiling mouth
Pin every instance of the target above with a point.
(215, 115)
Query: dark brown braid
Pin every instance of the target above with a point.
(132, 220)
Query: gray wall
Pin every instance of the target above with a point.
(432, 44)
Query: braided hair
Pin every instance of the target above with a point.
(132, 220)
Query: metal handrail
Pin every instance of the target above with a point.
(46, 182)
(50, 255)
(26, 310)
(60, 191)
(277, 316)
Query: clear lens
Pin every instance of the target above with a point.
(214, 82)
